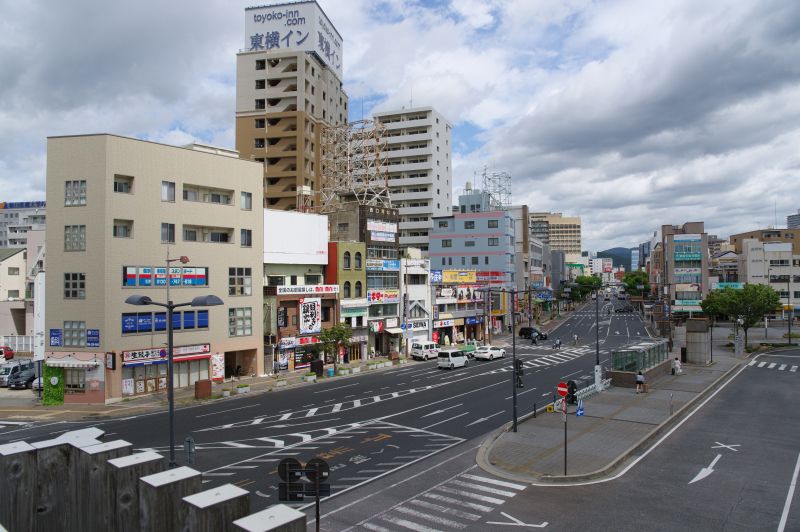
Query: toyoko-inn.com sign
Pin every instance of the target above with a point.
(295, 27)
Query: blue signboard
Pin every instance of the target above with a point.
(92, 337)
(55, 338)
(128, 323)
(202, 319)
(160, 321)
(436, 276)
(474, 320)
(188, 319)
(144, 322)
(546, 295)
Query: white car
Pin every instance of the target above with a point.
(489, 352)
(451, 357)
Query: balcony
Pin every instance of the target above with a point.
(402, 196)
(415, 210)
(409, 181)
(408, 167)
(428, 224)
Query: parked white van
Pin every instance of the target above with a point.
(424, 350)
(452, 357)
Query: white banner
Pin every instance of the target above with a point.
(310, 315)
(308, 289)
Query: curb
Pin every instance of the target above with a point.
(619, 461)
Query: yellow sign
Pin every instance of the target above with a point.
(459, 276)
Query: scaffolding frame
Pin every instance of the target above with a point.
(498, 186)
(353, 168)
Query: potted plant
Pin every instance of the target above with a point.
(242, 388)
(355, 369)
(310, 377)
(344, 370)
(226, 392)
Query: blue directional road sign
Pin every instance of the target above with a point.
(579, 412)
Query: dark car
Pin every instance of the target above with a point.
(626, 308)
(526, 332)
(23, 379)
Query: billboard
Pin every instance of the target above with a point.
(295, 27)
(310, 315)
(295, 237)
(383, 265)
(687, 238)
(459, 276)
(383, 296)
(307, 289)
(468, 293)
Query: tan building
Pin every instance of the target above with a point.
(119, 208)
(288, 83)
(770, 236)
(563, 233)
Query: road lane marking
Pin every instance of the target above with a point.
(228, 410)
(762, 364)
(571, 374)
(407, 524)
(284, 417)
(789, 496)
(311, 412)
(521, 393)
(782, 367)
(277, 443)
(337, 388)
(443, 410)
(793, 369)
(428, 517)
(479, 420)
(495, 481)
(487, 489)
(442, 509)
(445, 421)
(470, 495)
(772, 365)
(465, 504)
(336, 407)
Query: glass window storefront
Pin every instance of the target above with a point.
(150, 378)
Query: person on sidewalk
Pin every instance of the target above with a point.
(678, 369)
(533, 338)
(639, 382)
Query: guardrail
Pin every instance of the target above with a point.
(584, 393)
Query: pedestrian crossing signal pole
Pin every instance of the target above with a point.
(514, 375)
(597, 371)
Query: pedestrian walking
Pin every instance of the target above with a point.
(575, 339)
(533, 338)
(558, 343)
(639, 382)
(678, 368)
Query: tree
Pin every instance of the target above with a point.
(585, 284)
(332, 338)
(748, 304)
(633, 279)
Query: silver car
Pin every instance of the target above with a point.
(489, 352)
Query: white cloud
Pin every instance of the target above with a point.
(630, 114)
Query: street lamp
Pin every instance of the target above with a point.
(199, 301)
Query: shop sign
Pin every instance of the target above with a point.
(308, 289)
(55, 337)
(386, 227)
(687, 238)
(150, 276)
(307, 340)
(385, 265)
(688, 255)
(380, 236)
(474, 320)
(376, 326)
(283, 316)
(436, 276)
(721, 286)
(418, 324)
(468, 293)
(415, 263)
(446, 292)
(310, 315)
(288, 343)
(443, 323)
(688, 302)
(458, 322)
(127, 386)
(218, 367)
(687, 271)
(459, 276)
(154, 353)
(283, 361)
(391, 323)
(92, 337)
(383, 296)
(354, 312)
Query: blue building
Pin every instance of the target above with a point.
(478, 237)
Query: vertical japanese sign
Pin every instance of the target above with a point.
(310, 315)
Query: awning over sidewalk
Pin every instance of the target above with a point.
(70, 362)
(394, 330)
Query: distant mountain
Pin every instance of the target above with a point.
(619, 256)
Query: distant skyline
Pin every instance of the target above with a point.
(628, 114)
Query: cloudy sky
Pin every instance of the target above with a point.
(629, 114)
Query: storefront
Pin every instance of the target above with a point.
(443, 331)
(144, 371)
(296, 353)
(355, 313)
(474, 329)
(419, 330)
(82, 376)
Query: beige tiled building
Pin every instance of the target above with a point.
(288, 84)
(563, 233)
(118, 207)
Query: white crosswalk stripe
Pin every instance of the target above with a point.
(778, 366)
(455, 504)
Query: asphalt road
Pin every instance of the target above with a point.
(373, 428)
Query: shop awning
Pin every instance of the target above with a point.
(69, 362)
(394, 330)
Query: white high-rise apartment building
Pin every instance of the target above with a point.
(419, 170)
(17, 218)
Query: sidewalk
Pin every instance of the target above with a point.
(26, 405)
(617, 424)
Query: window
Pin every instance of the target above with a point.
(13, 271)
(167, 233)
(358, 289)
(189, 235)
(247, 201)
(442, 224)
(444, 261)
(276, 280)
(240, 321)
(463, 261)
(13, 294)
(74, 238)
(123, 184)
(75, 192)
(222, 199)
(343, 227)
(74, 380)
(74, 286)
(220, 236)
(261, 84)
(358, 260)
(447, 243)
(346, 260)
(449, 261)
(240, 282)
(74, 334)
(493, 224)
(261, 103)
(246, 238)
(261, 123)
(123, 228)
(486, 260)
(474, 260)
(313, 279)
(469, 243)
(346, 289)
(494, 241)
(190, 195)
(167, 191)
(469, 224)
(261, 64)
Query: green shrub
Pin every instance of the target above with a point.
(52, 395)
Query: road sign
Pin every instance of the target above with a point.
(562, 389)
(317, 465)
(579, 412)
(290, 469)
(564, 410)
(403, 326)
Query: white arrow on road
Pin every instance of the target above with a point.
(516, 522)
(442, 410)
(706, 470)
(485, 418)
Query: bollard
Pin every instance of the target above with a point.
(670, 404)
(534, 409)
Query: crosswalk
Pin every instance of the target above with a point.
(455, 504)
(764, 364)
(14, 424)
(558, 357)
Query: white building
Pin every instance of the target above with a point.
(17, 219)
(416, 289)
(419, 170)
(773, 263)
